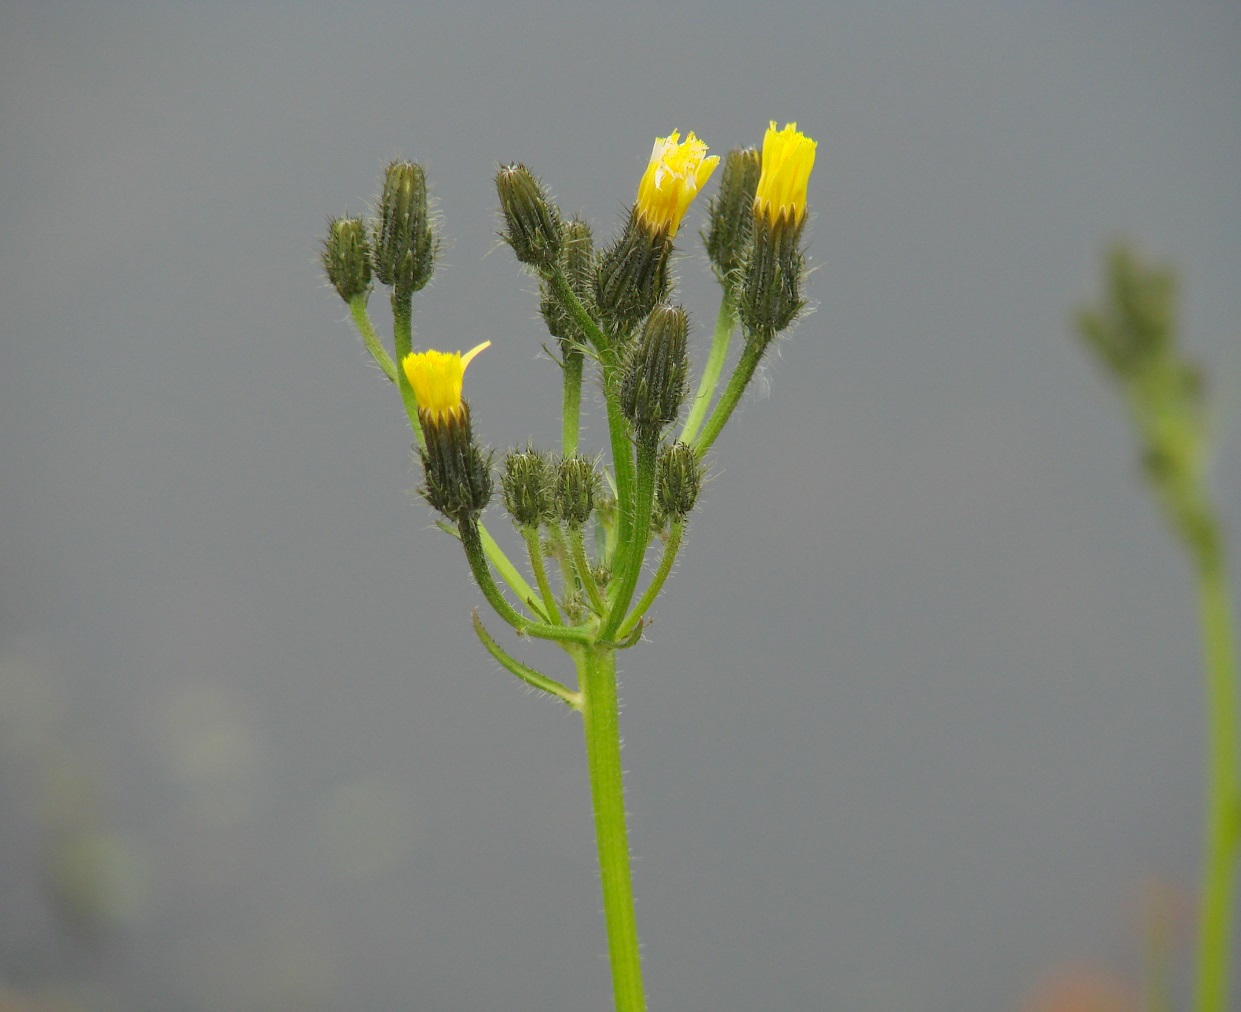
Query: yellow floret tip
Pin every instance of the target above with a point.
(436, 377)
(677, 171)
(788, 157)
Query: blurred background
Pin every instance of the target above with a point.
(919, 724)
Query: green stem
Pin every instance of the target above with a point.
(596, 668)
(671, 547)
(403, 340)
(731, 396)
(504, 566)
(535, 679)
(560, 552)
(573, 306)
(622, 454)
(724, 323)
(474, 553)
(572, 405)
(1223, 785)
(633, 555)
(585, 574)
(534, 546)
(362, 320)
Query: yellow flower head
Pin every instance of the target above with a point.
(788, 157)
(436, 378)
(674, 176)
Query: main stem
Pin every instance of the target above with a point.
(596, 668)
(1223, 786)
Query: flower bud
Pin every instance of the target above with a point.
(347, 257)
(732, 212)
(577, 483)
(458, 473)
(404, 245)
(678, 480)
(633, 272)
(577, 259)
(769, 296)
(529, 487)
(653, 385)
(532, 221)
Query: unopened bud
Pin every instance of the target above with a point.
(577, 260)
(532, 221)
(732, 212)
(529, 487)
(678, 480)
(577, 483)
(656, 368)
(347, 257)
(404, 242)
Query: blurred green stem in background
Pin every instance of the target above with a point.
(1132, 333)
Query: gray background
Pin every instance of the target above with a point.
(919, 723)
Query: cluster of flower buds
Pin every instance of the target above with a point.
(397, 247)
(539, 489)
(614, 305)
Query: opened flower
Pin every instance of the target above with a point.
(676, 173)
(436, 378)
(788, 157)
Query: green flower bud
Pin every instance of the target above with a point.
(347, 257)
(404, 244)
(732, 212)
(577, 260)
(532, 222)
(577, 484)
(653, 385)
(633, 274)
(678, 480)
(458, 473)
(529, 487)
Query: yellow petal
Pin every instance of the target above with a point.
(436, 377)
(788, 157)
(676, 172)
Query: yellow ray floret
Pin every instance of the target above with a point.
(676, 173)
(436, 378)
(788, 157)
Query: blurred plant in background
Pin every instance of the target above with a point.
(1132, 334)
(92, 877)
